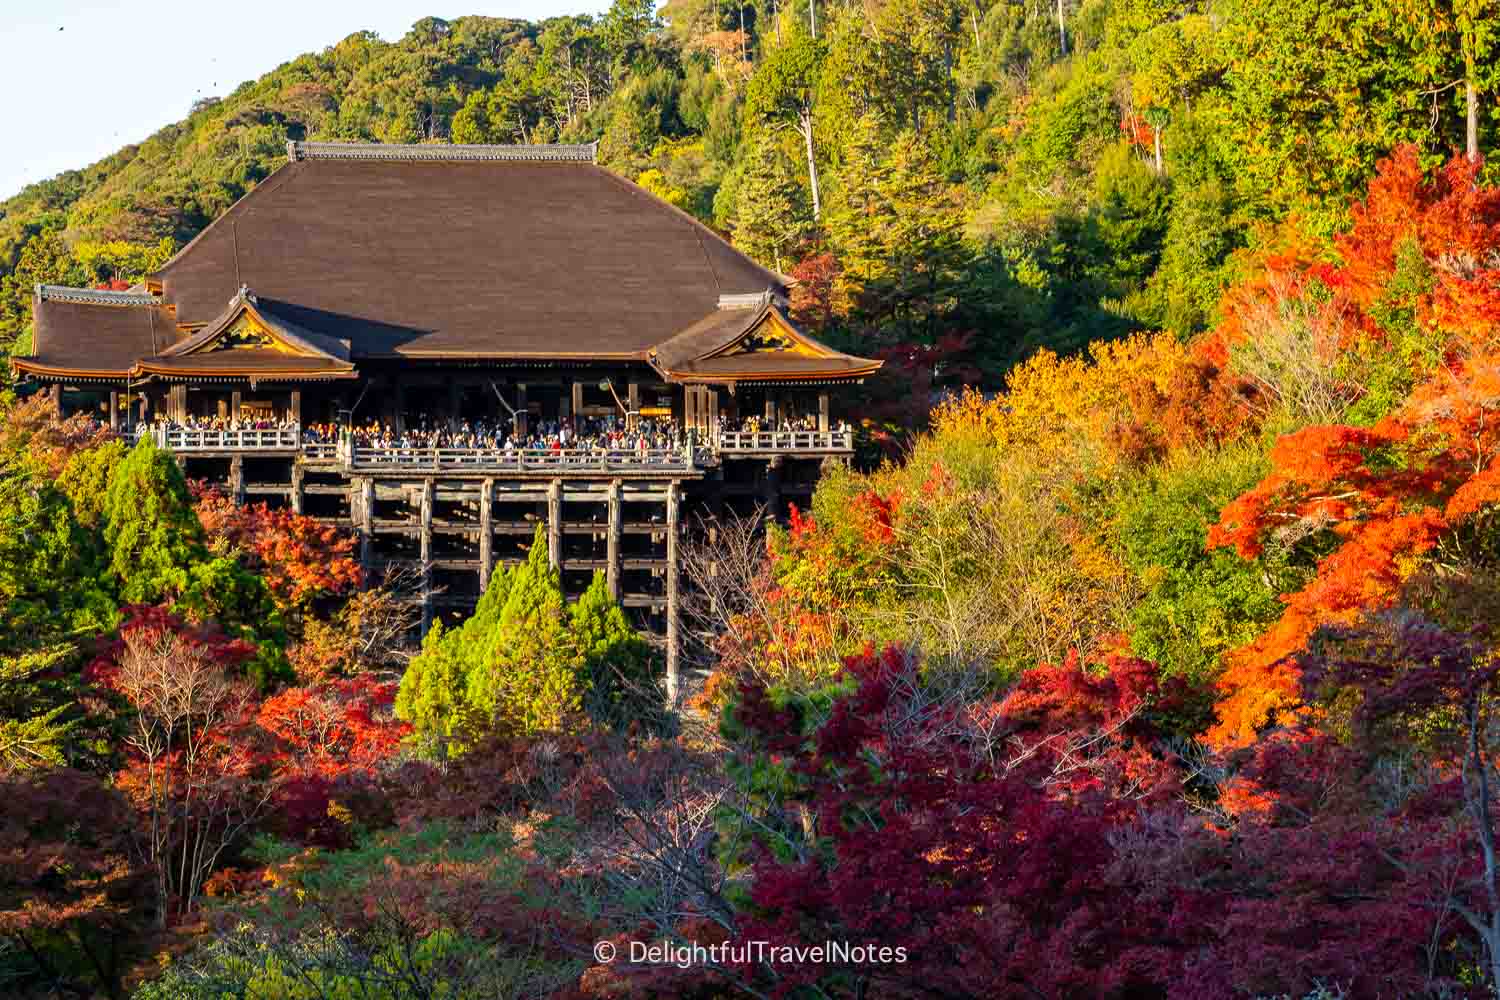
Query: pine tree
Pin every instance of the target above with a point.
(433, 691)
(860, 218)
(616, 659)
(770, 217)
(28, 737)
(150, 528)
(525, 662)
(927, 252)
(897, 228)
(527, 678)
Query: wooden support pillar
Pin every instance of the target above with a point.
(674, 640)
(486, 532)
(612, 546)
(771, 488)
(521, 411)
(770, 410)
(55, 394)
(362, 509)
(711, 406)
(577, 401)
(177, 406)
(690, 407)
(398, 395)
(554, 524)
(633, 404)
(234, 404)
(294, 408)
(425, 541)
(823, 411)
(237, 478)
(114, 409)
(455, 403)
(297, 476)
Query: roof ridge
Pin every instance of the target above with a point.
(548, 152)
(93, 296)
(746, 300)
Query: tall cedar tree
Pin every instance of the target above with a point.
(150, 528)
(770, 207)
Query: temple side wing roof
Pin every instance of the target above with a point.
(749, 339)
(90, 333)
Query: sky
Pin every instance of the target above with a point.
(81, 78)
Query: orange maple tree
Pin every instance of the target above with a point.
(300, 558)
(1386, 494)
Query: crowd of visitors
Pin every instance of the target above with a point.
(787, 425)
(590, 434)
(583, 436)
(240, 423)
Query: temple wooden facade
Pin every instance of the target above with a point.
(519, 287)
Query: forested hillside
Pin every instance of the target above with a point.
(956, 182)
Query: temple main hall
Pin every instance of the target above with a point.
(438, 347)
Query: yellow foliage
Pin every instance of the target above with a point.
(1067, 408)
(655, 181)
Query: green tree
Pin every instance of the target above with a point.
(1443, 29)
(44, 259)
(782, 94)
(85, 481)
(151, 531)
(50, 564)
(1197, 604)
(627, 26)
(34, 727)
(434, 696)
(52, 598)
(1317, 94)
(894, 59)
(122, 261)
(1130, 218)
(1175, 63)
(616, 659)
(770, 213)
(523, 662)
(897, 229)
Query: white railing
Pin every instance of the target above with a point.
(352, 455)
(758, 441)
(194, 439)
(516, 460)
(320, 451)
